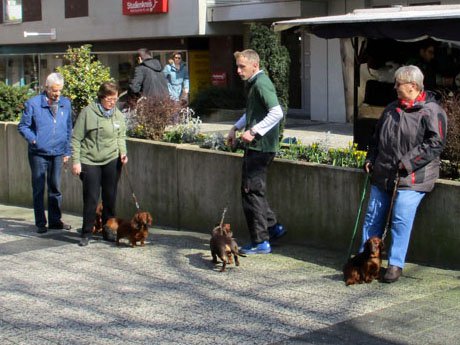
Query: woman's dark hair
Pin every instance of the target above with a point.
(107, 88)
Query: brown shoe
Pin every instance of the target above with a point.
(392, 274)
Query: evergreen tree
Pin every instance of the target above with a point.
(83, 75)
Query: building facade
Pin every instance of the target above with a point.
(36, 33)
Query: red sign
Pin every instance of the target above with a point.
(219, 78)
(135, 7)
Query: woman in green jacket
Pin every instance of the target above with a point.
(98, 153)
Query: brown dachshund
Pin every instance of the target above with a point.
(136, 230)
(224, 246)
(97, 228)
(365, 266)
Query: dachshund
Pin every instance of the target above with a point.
(136, 230)
(224, 246)
(97, 228)
(364, 267)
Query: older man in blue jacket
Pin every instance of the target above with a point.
(46, 124)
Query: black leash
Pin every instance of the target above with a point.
(390, 210)
(125, 168)
(388, 221)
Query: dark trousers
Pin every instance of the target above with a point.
(97, 179)
(258, 213)
(46, 168)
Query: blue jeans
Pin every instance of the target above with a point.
(404, 210)
(46, 168)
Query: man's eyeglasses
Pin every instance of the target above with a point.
(111, 99)
(177, 57)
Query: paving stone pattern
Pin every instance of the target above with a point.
(54, 292)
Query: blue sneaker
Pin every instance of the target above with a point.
(276, 231)
(261, 248)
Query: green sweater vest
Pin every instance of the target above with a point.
(261, 98)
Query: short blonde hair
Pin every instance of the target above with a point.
(249, 54)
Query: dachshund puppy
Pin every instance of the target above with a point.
(136, 230)
(97, 228)
(365, 266)
(224, 246)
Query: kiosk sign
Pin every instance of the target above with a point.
(135, 7)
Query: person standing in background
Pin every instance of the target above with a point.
(178, 78)
(148, 81)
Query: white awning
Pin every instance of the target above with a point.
(405, 22)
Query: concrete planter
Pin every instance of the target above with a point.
(186, 187)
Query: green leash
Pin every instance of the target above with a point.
(363, 195)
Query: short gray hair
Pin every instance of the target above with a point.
(54, 78)
(410, 74)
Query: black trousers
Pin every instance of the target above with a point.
(258, 213)
(97, 179)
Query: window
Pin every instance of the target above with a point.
(76, 8)
(12, 11)
(31, 10)
(18, 11)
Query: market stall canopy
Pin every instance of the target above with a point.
(397, 22)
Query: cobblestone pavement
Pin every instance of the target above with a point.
(54, 292)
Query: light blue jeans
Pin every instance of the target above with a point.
(404, 210)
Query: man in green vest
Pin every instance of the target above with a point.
(260, 125)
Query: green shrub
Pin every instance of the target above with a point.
(83, 75)
(218, 97)
(186, 130)
(12, 100)
(274, 59)
(349, 157)
(215, 141)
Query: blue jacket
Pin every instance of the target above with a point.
(51, 135)
(178, 80)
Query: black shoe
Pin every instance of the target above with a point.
(41, 229)
(392, 274)
(60, 226)
(84, 242)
